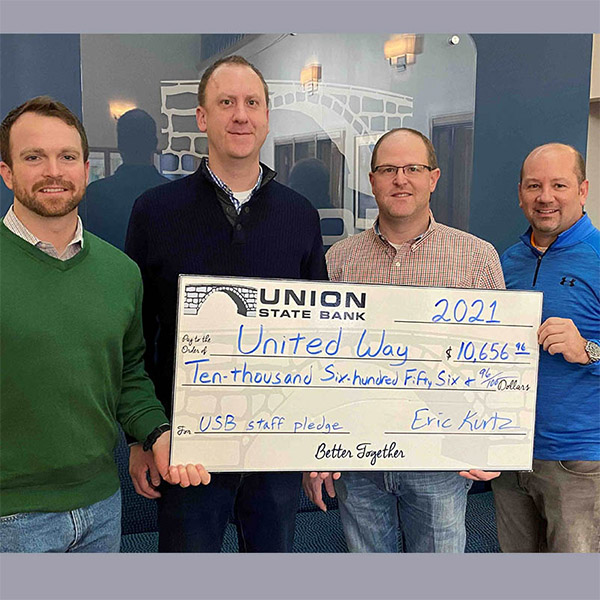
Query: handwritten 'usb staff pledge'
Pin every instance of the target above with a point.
(285, 375)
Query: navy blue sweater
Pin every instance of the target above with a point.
(181, 228)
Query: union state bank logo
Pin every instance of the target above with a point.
(243, 297)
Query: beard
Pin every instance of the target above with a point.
(62, 204)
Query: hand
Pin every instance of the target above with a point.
(477, 475)
(313, 483)
(560, 336)
(184, 475)
(140, 463)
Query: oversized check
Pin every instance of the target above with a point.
(275, 375)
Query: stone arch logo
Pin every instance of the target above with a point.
(243, 297)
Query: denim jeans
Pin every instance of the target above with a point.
(264, 506)
(554, 508)
(94, 528)
(428, 507)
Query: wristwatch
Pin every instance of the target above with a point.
(593, 351)
(154, 435)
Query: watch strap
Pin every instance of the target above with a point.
(593, 351)
(154, 435)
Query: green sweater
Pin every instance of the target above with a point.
(71, 348)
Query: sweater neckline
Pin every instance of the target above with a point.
(577, 232)
(37, 254)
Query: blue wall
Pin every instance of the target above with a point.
(33, 65)
(531, 89)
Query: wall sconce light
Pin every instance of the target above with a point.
(310, 76)
(118, 108)
(401, 50)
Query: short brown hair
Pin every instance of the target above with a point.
(228, 60)
(431, 157)
(48, 107)
(579, 161)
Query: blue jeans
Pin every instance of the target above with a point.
(264, 506)
(428, 506)
(94, 528)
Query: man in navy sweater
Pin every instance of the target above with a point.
(555, 508)
(229, 218)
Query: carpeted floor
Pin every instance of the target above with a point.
(315, 531)
(322, 532)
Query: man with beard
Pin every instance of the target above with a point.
(72, 349)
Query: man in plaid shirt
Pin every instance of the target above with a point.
(406, 246)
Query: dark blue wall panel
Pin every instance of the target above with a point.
(33, 65)
(531, 89)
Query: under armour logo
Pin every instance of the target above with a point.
(565, 281)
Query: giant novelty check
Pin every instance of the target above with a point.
(276, 375)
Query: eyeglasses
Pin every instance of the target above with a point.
(390, 171)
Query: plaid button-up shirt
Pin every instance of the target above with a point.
(441, 257)
(13, 223)
(236, 203)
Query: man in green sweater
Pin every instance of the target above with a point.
(71, 349)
